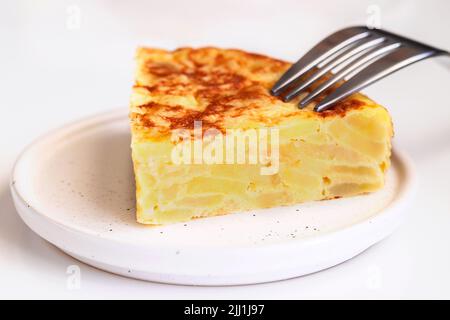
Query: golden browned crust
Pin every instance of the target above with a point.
(221, 87)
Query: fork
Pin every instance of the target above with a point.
(358, 55)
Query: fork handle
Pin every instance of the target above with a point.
(390, 63)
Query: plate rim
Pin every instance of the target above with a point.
(406, 190)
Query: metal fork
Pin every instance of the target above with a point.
(362, 57)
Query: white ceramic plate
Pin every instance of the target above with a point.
(74, 187)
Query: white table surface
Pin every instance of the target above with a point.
(57, 67)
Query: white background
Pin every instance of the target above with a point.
(61, 60)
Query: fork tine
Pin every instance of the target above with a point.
(369, 56)
(388, 64)
(342, 59)
(318, 53)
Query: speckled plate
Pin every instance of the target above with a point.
(74, 187)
